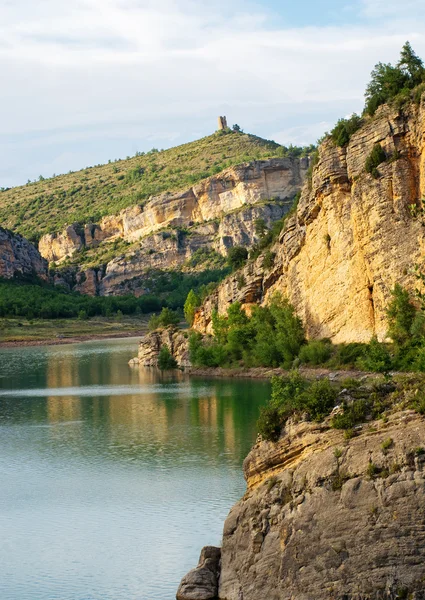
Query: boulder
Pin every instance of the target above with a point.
(201, 583)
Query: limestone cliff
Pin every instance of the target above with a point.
(215, 214)
(352, 237)
(315, 524)
(233, 188)
(329, 518)
(173, 249)
(19, 257)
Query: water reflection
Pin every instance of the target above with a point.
(113, 478)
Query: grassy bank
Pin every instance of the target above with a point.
(62, 331)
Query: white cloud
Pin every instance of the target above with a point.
(95, 78)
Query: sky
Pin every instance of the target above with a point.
(87, 81)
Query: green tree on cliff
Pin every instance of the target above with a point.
(388, 81)
(237, 257)
(411, 65)
(193, 301)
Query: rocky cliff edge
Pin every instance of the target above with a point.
(352, 238)
(326, 517)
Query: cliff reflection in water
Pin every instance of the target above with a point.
(112, 477)
(132, 412)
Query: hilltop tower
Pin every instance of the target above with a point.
(222, 123)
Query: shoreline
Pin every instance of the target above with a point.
(75, 339)
(267, 373)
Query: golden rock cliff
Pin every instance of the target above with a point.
(230, 190)
(352, 237)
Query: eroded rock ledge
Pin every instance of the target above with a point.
(319, 522)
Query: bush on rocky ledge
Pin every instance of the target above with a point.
(351, 402)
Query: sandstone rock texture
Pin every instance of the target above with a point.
(202, 582)
(315, 524)
(19, 257)
(173, 249)
(152, 343)
(231, 190)
(352, 237)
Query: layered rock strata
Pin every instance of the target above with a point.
(352, 237)
(174, 249)
(232, 189)
(329, 518)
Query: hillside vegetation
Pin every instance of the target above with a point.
(47, 205)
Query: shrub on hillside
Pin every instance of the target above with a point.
(376, 358)
(294, 395)
(316, 352)
(164, 319)
(401, 315)
(349, 354)
(237, 257)
(192, 303)
(344, 129)
(375, 158)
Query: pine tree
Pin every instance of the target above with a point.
(411, 65)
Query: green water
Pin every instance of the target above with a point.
(112, 478)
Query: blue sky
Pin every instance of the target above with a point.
(84, 81)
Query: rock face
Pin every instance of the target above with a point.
(231, 190)
(202, 582)
(152, 343)
(317, 522)
(172, 249)
(352, 238)
(19, 257)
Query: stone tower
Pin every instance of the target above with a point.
(222, 123)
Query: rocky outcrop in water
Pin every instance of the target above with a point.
(19, 257)
(151, 344)
(352, 238)
(326, 517)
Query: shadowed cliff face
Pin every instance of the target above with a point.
(315, 526)
(352, 238)
(18, 256)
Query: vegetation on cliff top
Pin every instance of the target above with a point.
(389, 84)
(395, 83)
(47, 205)
(350, 402)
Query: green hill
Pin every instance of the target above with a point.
(46, 206)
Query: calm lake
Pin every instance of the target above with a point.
(111, 478)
